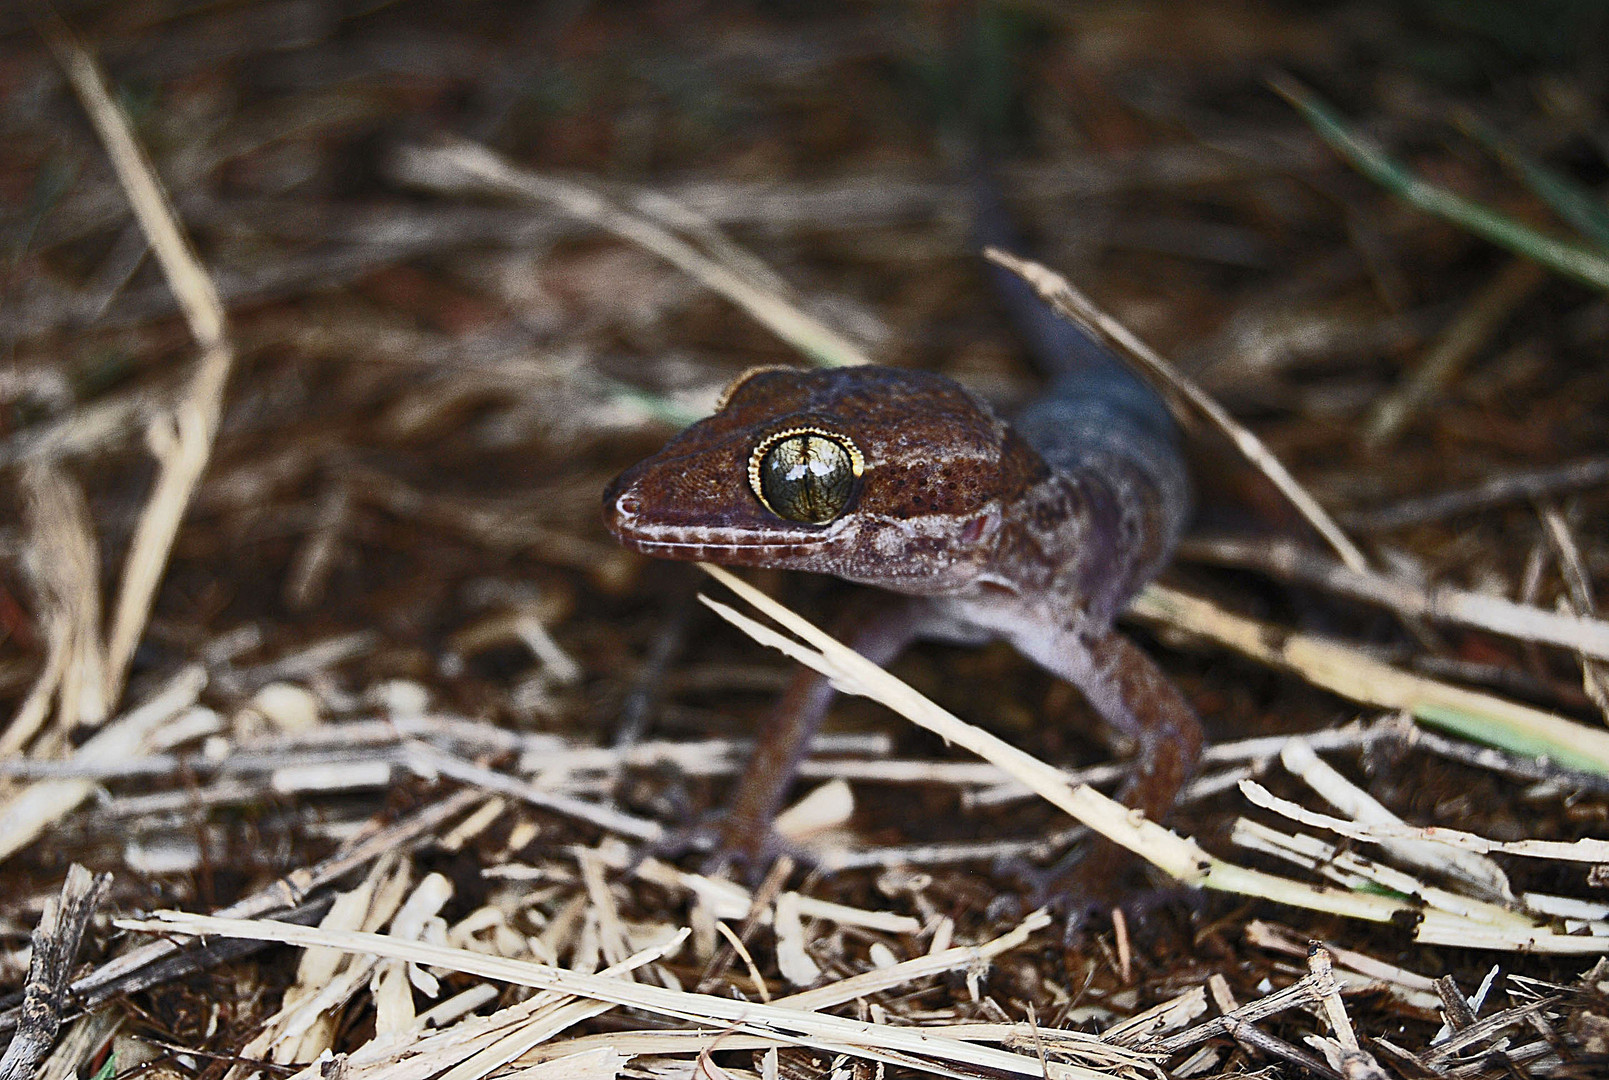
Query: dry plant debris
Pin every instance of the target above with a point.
(325, 326)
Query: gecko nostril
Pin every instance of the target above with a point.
(620, 500)
(625, 506)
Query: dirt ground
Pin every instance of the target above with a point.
(307, 612)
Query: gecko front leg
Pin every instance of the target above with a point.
(745, 834)
(1135, 696)
(1139, 700)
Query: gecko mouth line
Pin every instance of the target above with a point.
(649, 547)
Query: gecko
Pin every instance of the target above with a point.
(1037, 531)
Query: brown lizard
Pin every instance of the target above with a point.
(1038, 531)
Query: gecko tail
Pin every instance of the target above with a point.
(1097, 411)
(1073, 360)
(1093, 392)
(1058, 346)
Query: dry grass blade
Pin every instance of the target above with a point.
(729, 900)
(1508, 486)
(1068, 301)
(64, 565)
(466, 165)
(197, 295)
(956, 957)
(430, 762)
(1358, 677)
(65, 560)
(602, 1063)
(183, 445)
(1459, 607)
(35, 708)
(1474, 870)
(1584, 851)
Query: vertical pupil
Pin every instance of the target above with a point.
(806, 477)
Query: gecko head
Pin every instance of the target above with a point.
(878, 475)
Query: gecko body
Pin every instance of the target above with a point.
(1037, 531)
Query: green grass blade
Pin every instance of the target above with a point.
(1570, 259)
(1578, 205)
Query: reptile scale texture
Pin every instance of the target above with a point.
(1037, 531)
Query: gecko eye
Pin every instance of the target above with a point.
(805, 474)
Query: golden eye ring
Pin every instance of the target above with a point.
(805, 474)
